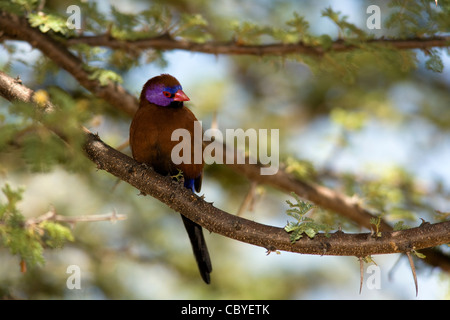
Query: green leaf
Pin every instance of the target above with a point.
(376, 221)
(303, 225)
(291, 226)
(325, 41)
(28, 240)
(418, 254)
(310, 232)
(247, 32)
(347, 29)
(123, 20)
(18, 6)
(23, 243)
(400, 226)
(369, 259)
(299, 23)
(14, 234)
(47, 22)
(434, 63)
(193, 27)
(104, 76)
(330, 13)
(302, 169)
(56, 234)
(350, 120)
(12, 197)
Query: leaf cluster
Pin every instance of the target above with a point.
(27, 241)
(347, 30)
(19, 6)
(303, 223)
(25, 132)
(300, 168)
(103, 76)
(47, 22)
(418, 19)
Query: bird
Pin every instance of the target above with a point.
(161, 111)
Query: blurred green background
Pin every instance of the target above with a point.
(372, 123)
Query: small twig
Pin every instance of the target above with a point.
(272, 49)
(52, 216)
(248, 200)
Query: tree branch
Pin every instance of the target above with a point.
(322, 196)
(52, 216)
(272, 238)
(174, 195)
(18, 28)
(165, 42)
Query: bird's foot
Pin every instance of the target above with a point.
(178, 176)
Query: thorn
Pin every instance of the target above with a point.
(424, 223)
(324, 248)
(413, 269)
(18, 80)
(23, 266)
(361, 273)
(272, 249)
(178, 176)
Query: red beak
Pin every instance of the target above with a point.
(181, 96)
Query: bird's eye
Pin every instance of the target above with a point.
(167, 94)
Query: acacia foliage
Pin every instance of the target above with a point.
(351, 89)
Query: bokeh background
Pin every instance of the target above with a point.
(379, 129)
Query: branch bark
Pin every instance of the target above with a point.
(174, 195)
(165, 42)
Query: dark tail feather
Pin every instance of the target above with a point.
(198, 242)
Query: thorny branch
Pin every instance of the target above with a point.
(17, 28)
(174, 195)
(119, 98)
(232, 48)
